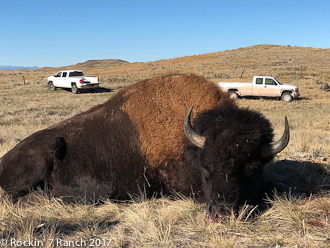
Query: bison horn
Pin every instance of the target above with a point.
(271, 150)
(193, 137)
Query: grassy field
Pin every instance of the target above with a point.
(300, 220)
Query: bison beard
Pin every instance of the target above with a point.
(136, 140)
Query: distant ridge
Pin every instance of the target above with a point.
(89, 64)
(12, 68)
(99, 63)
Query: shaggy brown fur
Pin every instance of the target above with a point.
(116, 147)
(158, 107)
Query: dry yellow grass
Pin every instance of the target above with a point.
(164, 222)
(299, 221)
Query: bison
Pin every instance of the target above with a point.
(142, 138)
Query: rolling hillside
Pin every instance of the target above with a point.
(285, 62)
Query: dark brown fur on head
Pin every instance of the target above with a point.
(231, 157)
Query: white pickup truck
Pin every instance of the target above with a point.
(261, 86)
(74, 80)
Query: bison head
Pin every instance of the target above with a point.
(231, 145)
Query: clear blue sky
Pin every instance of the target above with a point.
(57, 33)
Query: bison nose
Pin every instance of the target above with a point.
(219, 212)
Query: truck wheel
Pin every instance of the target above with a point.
(74, 89)
(233, 95)
(51, 86)
(286, 96)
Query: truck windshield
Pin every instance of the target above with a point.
(76, 74)
(278, 81)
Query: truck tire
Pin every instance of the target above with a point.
(233, 95)
(51, 86)
(74, 89)
(286, 96)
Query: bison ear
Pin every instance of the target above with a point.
(60, 148)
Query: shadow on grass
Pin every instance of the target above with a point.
(91, 91)
(62, 228)
(302, 178)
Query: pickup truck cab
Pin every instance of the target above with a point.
(261, 86)
(74, 80)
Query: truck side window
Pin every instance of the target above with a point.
(64, 74)
(259, 81)
(58, 74)
(269, 81)
(76, 74)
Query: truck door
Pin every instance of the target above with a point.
(270, 88)
(64, 79)
(258, 87)
(57, 79)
